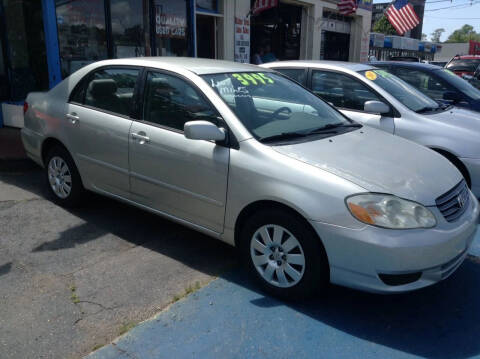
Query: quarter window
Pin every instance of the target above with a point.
(109, 90)
(171, 101)
(342, 91)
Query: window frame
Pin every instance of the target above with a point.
(88, 77)
(394, 113)
(230, 139)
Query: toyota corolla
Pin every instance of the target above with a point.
(250, 157)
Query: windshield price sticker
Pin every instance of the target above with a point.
(383, 73)
(371, 75)
(247, 79)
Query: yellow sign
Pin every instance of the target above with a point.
(258, 78)
(371, 75)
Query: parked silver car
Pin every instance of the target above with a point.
(248, 156)
(380, 99)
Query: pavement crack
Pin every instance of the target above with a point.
(95, 303)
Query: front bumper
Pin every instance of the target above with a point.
(358, 257)
(473, 167)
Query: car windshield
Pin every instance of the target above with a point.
(463, 65)
(273, 107)
(459, 83)
(403, 92)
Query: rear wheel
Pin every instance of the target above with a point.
(283, 254)
(63, 178)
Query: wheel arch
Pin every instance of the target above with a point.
(456, 162)
(50, 143)
(260, 205)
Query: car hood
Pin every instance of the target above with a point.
(380, 162)
(459, 117)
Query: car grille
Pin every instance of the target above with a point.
(454, 203)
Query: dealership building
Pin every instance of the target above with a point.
(43, 41)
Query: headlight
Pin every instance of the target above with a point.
(388, 211)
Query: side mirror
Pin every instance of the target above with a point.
(452, 96)
(203, 130)
(376, 107)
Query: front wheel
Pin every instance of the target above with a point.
(63, 178)
(284, 255)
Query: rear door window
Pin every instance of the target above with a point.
(109, 89)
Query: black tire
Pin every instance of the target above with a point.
(74, 198)
(316, 274)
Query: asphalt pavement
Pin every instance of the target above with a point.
(73, 280)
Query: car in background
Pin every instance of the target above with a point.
(464, 64)
(405, 58)
(475, 79)
(377, 98)
(437, 83)
(247, 156)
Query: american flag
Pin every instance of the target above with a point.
(347, 7)
(402, 16)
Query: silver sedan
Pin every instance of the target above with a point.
(247, 156)
(379, 99)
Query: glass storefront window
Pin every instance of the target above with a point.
(130, 28)
(171, 27)
(209, 5)
(27, 65)
(81, 33)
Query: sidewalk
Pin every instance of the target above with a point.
(230, 319)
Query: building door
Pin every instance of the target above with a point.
(336, 46)
(276, 33)
(206, 37)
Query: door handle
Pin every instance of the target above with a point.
(73, 118)
(141, 138)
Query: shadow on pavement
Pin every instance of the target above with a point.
(439, 321)
(442, 321)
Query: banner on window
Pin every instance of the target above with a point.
(242, 40)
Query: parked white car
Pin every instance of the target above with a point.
(248, 156)
(379, 99)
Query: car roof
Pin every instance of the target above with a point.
(418, 65)
(333, 65)
(195, 65)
